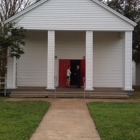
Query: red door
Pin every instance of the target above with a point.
(82, 71)
(63, 65)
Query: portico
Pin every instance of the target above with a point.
(92, 31)
(51, 60)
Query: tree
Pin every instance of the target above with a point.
(130, 9)
(11, 37)
(9, 8)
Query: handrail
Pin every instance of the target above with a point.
(55, 84)
(84, 86)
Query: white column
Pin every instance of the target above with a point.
(11, 72)
(128, 61)
(50, 60)
(89, 61)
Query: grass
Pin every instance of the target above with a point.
(136, 94)
(116, 121)
(18, 120)
(1, 92)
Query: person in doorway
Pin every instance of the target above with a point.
(78, 76)
(68, 77)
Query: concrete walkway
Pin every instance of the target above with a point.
(66, 119)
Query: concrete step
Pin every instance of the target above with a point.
(96, 95)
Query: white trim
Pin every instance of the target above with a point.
(89, 61)
(25, 11)
(14, 71)
(11, 73)
(128, 89)
(51, 60)
(133, 73)
(96, 1)
(128, 62)
(114, 12)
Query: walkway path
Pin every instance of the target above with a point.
(66, 119)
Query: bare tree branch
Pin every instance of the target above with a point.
(9, 8)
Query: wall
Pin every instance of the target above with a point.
(32, 66)
(138, 74)
(72, 15)
(107, 57)
(133, 73)
(69, 45)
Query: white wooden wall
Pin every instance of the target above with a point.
(89, 61)
(107, 61)
(133, 73)
(69, 45)
(128, 61)
(51, 60)
(72, 15)
(11, 72)
(32, 66)
(138, 74)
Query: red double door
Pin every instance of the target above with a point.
(63, 66)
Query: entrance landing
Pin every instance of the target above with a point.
(72, 92)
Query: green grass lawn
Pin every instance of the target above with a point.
(1, 93)
(136, 94)
(18, 120)
(116, 121)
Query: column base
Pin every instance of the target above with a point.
(9, 90)
(89, 89)
(129, 91)
(50, 89)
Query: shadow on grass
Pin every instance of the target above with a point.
(1, 93)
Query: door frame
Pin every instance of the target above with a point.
(58, 72)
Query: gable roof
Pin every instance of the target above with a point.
(25, 11)
(96, 1)
(115, 12)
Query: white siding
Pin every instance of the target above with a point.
(72, 15)
(70, 45)
(51, 57)
(138, 74)
(107, 60)
(32, 66)
(107, 57)
(128, 61)
(89, 60)
(133, 73)
(11, 72)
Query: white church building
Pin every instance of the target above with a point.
(62, 33)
